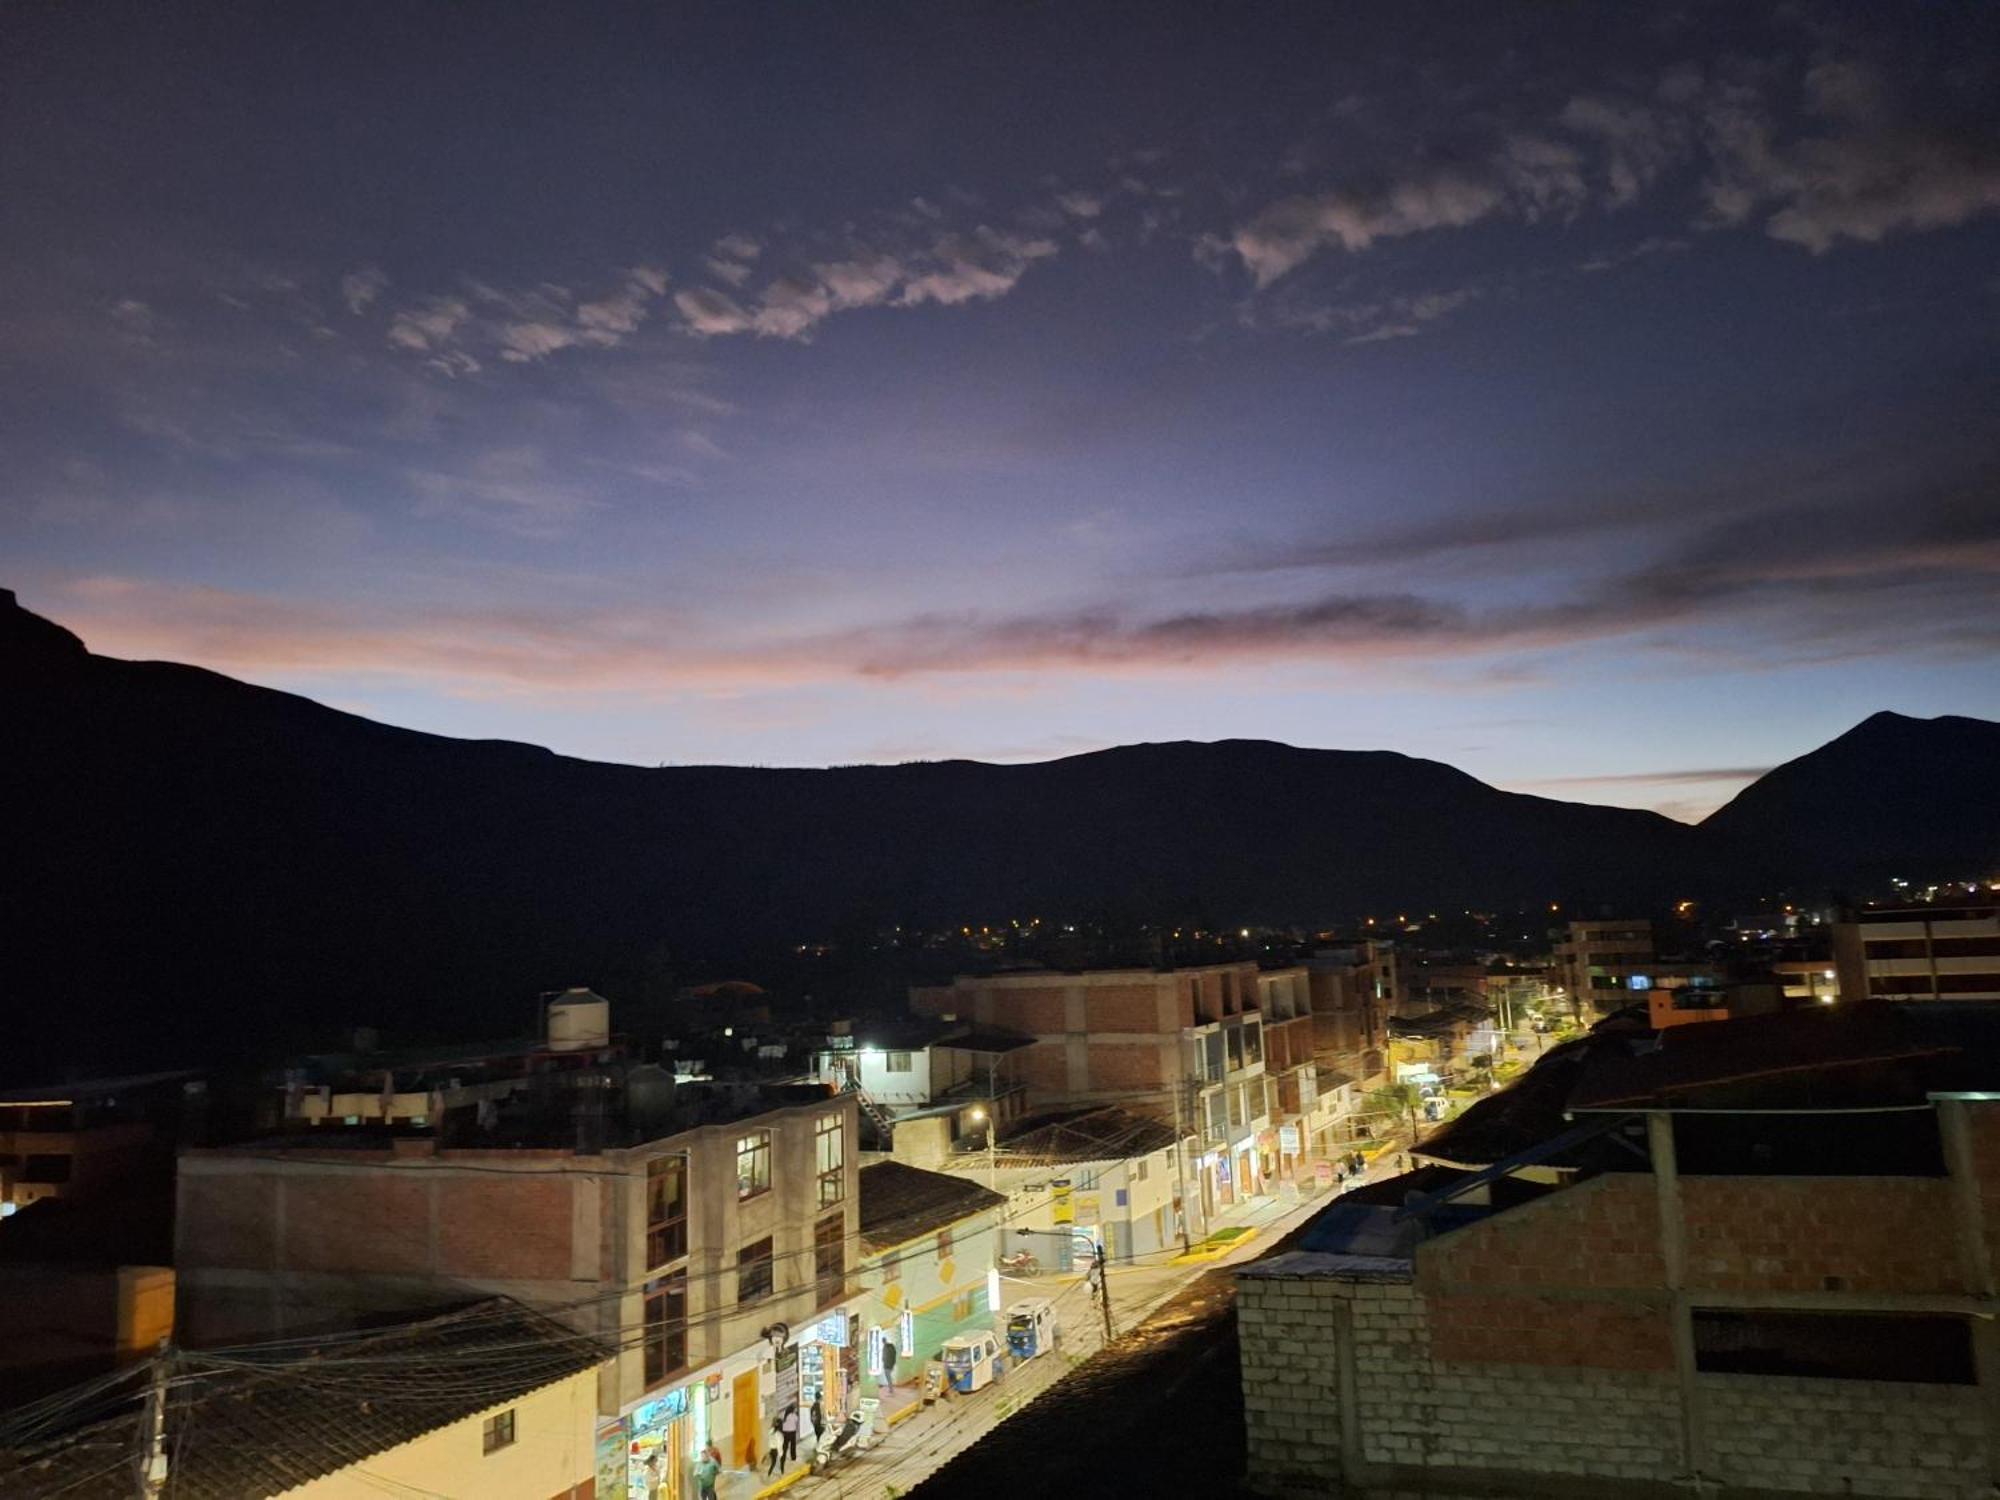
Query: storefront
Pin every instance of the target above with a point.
(829, 1364)
(650, 1452)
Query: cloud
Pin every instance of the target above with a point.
(1080, 205)
(358, 289)
(1369, 322)
(521, 325)
(736, 247)
(1700, 777)
(514, 488)
(947, 269)
(711, 313)
(1285, 234)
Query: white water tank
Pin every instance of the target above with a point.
(579, 1019)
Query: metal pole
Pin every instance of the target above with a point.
(1104, 1290)
(150, 1470)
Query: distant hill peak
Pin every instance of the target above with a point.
(24, 631)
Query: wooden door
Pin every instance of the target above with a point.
(744, 1436)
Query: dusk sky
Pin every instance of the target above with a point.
(1600, 398)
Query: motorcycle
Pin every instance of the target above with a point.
(1020, 1263)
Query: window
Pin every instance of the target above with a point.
(944, 1244)
(753, 1164)
(830, 1157)
(898, 1062)
(753, 1271)
(829, 1259)
(1927, 1349)
(666, 1209)
(1139, 1170)
(1253, 1044)
(666, 1326)
(497, 1432)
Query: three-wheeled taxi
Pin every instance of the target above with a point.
(1031, 1328)
(971, 1361)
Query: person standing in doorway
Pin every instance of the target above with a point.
(788, 1424)
(889, 1365)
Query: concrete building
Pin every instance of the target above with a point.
(98, 1138)
(1185, 1045)
(1113, 1174)
(1353, 992)
(707, 1231)
(1919, 953)
(1756, 1258)
(947, 1082)
(930, 1242)
(1597, 961)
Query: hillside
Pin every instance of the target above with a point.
(199, 864)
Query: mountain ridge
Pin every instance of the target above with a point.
(197, 855)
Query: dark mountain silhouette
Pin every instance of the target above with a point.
(196, 866)
(1893, 795)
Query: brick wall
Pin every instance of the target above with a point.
(1123, 1007)
(1565, 1331)
(1816, 1234)
(1120, 1065)
(1601, 1233)
(1983, 1126)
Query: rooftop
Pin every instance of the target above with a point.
(237, 1429)
(1104, 1134)
(900, 1202)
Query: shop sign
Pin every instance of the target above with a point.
(1089, 1208)
(1061, 1208)
(1288, 1139)
(787, 1363)
(1323, 1173)
(831, 1329)
(611, 1457)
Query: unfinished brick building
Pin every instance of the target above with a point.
(1757, 1257)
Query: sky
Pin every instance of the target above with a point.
(1597, 398)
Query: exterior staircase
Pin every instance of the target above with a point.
(883, 1121)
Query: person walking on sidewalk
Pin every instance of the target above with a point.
(818, 1421)
(889, 1366)
(774, 1447)
(707, 1469)
(788, 1424)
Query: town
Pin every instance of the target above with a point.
(751, 1249)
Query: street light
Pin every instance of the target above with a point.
(978, 1117)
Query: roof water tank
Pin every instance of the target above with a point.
(579, 1019)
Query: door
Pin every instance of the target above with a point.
(745, 1441)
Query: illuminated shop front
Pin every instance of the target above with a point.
(829, 1363)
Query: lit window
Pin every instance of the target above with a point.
(898, 1062)
(830, 1159)
(497, 1432)
(753, 1164)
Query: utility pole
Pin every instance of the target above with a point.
(150, 1465)
(1103, 1288)
(1180, 1160)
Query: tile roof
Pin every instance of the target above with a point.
(241, 1428)
(900, 1202)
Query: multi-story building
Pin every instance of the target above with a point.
(1291, 1071)
(1119, 1177)
(1919, 953)
(100, 1138)
(1353, 995)
(930, 1245)
(948, 1082)
(1598, 961)
(1186, 1045)
(707, 1231)
(1764, 1264)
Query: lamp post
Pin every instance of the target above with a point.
(1097, 1265)
(980, 1117)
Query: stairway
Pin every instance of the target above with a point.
(883, 1121)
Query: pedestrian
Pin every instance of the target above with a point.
(774, 1447)
(889, 1366)
(707, 1469)
(818, 1420)
(789, 1425)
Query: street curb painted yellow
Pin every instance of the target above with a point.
(909, 1411)
(1209, 1250)
(784, 1484)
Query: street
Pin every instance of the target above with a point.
(1194, 1296)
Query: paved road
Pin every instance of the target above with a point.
(1177, 1327)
